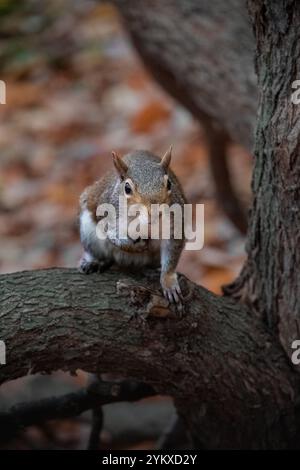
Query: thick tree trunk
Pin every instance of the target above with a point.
(230, 380)
(270, 281)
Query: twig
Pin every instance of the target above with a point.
(72, 404)
(97, 424)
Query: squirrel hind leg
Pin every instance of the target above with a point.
(89, 265)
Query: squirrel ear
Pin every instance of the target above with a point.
(120, 166)
(165, 161)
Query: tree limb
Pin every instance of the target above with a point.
(226, 195)
(201, 53)
(219, 363)
(97, 394)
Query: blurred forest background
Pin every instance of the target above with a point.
(76, 90)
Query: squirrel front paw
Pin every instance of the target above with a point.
(88, 266)
(171, 288)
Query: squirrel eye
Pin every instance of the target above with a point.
(168, 185)
(128, 189)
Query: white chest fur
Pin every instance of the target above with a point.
(103, 249)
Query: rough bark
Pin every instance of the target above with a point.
(228, 376)
(270, 280)
(201, 53)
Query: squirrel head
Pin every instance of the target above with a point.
(144, 178)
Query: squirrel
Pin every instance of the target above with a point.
(141, 178)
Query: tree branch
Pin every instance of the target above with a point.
(226, 195)
(97, 394)
(219, 363)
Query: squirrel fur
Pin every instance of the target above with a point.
(142, 178)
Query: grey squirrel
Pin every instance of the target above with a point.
(142, 178)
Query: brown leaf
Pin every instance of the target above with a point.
(150, 115)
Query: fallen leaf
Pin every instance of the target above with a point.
(149, 116)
